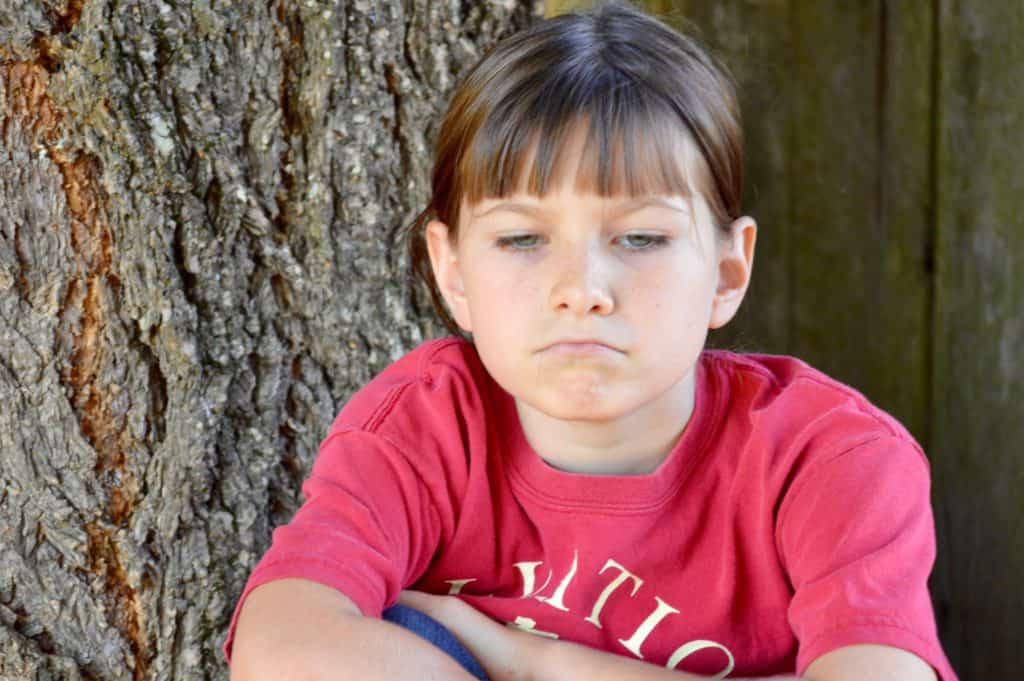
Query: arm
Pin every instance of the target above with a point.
(569, 662)
(296, 629)
(879, 663)
(510, 655)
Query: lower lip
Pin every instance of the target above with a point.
(580, 349)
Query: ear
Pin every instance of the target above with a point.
(445, 263)
(735, 264)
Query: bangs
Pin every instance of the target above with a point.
(610, 100)
(624, 142)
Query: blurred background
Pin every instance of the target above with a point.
(195, 274)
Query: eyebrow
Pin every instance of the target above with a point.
(625, 209)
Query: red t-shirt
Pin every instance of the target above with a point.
(791, 518)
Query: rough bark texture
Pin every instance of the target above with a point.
(194, 197)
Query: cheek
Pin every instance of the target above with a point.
(501, 281)
(500, 304)
(675, 292)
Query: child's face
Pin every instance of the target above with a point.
(640, 279)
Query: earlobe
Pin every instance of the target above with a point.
(447, 273)
(735, 264)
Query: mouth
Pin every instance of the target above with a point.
(580, 347)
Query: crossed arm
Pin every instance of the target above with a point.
(295, 629)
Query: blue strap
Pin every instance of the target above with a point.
(435, 632)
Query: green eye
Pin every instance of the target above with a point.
(642, 242)
(519, 242)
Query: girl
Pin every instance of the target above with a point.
(570, 485)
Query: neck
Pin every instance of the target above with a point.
(633, 444)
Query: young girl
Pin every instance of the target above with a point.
(570, 485)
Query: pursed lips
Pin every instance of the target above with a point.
(579, 346)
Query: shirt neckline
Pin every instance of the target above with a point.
(551, 487)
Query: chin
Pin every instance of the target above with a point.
(562, 413)
(582, 408)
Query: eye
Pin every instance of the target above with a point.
(518, 242)
(643, 242)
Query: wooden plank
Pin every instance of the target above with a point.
(859, 177)
(753, 41)
(836, 100)
(978, 382)
(900, 327)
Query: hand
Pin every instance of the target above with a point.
(505, 653)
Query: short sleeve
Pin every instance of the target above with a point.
(368, 526)
(856, 536)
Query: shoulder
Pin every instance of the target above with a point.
(847, 490)
(783, 376)
(427, 387)
(793, 403)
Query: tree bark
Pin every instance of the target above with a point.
(195, 274)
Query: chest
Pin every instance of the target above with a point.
(690, 586)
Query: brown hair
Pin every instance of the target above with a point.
(638, 84)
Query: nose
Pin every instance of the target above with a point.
(582, 283)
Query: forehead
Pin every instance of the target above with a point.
(601, 167)
(604, 169)
(605, 207)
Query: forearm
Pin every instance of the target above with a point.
(511, 655)
(288, 636)
(565, 661)
(364, 649)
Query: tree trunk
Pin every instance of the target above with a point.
(194, 276)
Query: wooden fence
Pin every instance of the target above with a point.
(885, 141)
